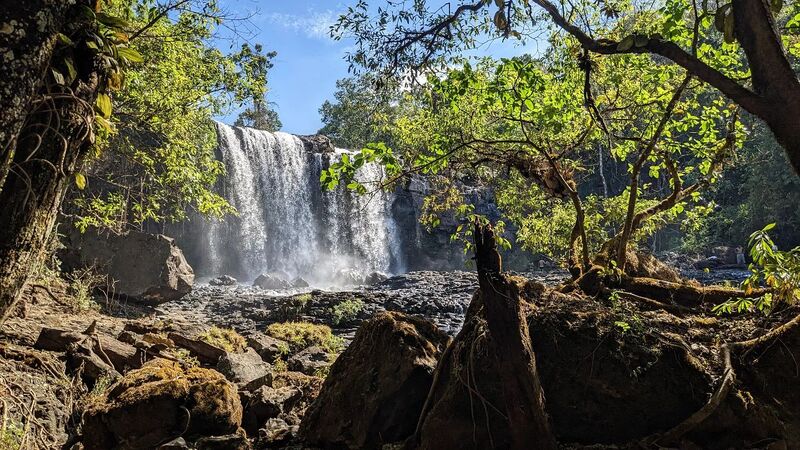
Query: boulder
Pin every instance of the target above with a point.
(726, 255)
(121, 355)
(203, 351)
(276, 432)
(267, 346)
(233, 441)
(267, 403)
(310, 360)
(271, 281)
(375, 278)
(147, 268)
(378, 385)
(224, 280)
(158, 403)
(242, 368)
(299, 282)
(317, 143)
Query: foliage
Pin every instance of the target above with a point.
(279, 365)
(361, 112)
(224, 338)
(346, 311)
(259, 116)
(11, 434)
(291, 307)
(157, 162)
(301, 335)
(778, 271)
(80, 289)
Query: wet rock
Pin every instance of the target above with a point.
(375, 277)
(148, 268)
(378, 385)
(299, 282)
(224, 280)
(310, 360)
(160, 402)
(317, 143)
(267, 346)
(243, 368)
(271, 281)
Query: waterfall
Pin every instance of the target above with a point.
(286, 222)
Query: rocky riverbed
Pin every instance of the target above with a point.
(441, 297)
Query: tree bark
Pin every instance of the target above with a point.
(55, 129)
(522, 390)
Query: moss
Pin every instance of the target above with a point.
(11, 434)
(347, 311)
(301, 335)
(224, 338)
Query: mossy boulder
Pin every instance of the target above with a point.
(160, 402)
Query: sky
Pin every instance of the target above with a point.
(309, 61)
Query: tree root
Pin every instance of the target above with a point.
(671, 436)
(682, 294)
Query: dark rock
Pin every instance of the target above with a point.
(242, 368)
(267, 346)
(203, 351)
(310, 360)
(123, 356)
(224, 280)
(234, 441)
(148, 268)
(267, 403)
(378, 385)
(317, 143)
(271, 281)
(375, 278)
(160, 402)
(175, 444)
(276, 432)
(299, 282)
(726, 255)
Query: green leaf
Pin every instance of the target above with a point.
(111, 21)
(769, 227)
(104, 105)
(130, 55)
(80, 181)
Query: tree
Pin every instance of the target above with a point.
(260, 116)
(760, 78)
(62, 62)
(159, 165)
(362, 112)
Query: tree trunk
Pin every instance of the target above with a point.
(55, 128)
(522, 390)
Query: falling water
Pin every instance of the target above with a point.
(287, 223)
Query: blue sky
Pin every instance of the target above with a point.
(309, 62)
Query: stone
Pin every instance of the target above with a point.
(242, 368)
(271, 281)
(203, 351)
(175, 444)
(160, 402)
(267, 346)
(224, 280)
(317, 143)
(141, 267)
(233, 441)
(275, 432)
(310, 360)
(266, 403)
(378, 385)
(123, 356)
(375, 278)
(299, 282)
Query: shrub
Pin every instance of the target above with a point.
(347, 311)
(224, 338)
(291, 308)
(301, 335)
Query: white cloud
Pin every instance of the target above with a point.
(314, 24)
